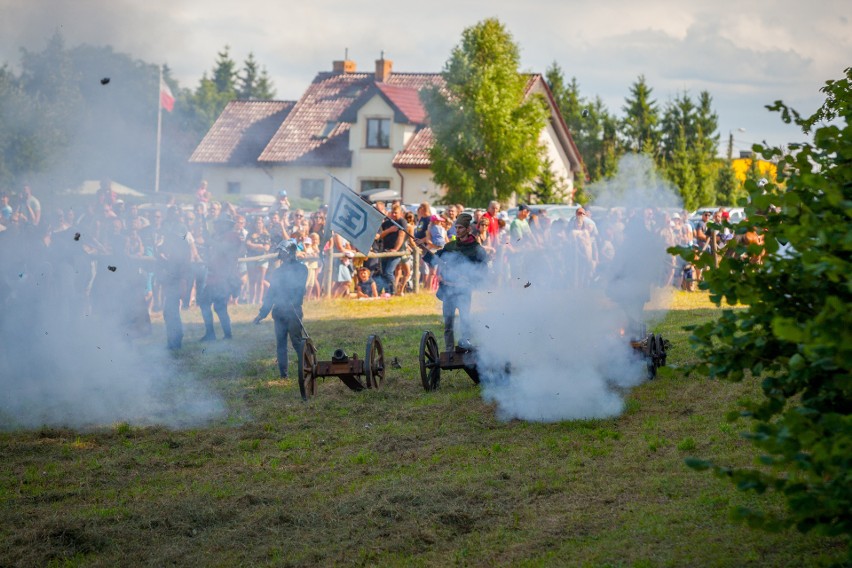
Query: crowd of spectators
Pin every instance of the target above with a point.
(168, 254)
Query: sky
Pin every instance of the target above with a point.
(745, 54)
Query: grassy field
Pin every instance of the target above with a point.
(390, 477)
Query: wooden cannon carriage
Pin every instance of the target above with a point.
(348, 369)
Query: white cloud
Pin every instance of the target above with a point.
(746, 54)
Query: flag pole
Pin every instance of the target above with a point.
(159, 130)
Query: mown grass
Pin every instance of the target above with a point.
(393, 477)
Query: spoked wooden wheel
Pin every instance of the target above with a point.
(430, 368)
(375, 362)
(653, 355)
(662, 346)
(309, 368)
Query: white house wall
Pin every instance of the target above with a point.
(375, 163)
(252, 179)
(560, 165)
(418, 186)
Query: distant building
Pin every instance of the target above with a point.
(369, 130)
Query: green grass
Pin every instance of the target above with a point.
(394, 477)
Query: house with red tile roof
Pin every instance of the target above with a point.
(370, 130)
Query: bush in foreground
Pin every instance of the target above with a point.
(789, 263)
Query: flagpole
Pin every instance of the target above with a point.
(159, 130)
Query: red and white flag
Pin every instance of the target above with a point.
(167, 99)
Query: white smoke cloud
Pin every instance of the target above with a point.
(568, 348)
(64, 364)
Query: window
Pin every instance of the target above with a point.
(234, 187)
(378, 133)
(368, 184)
(312, 189)
(329, 126)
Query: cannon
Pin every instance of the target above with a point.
(652, 347)
(349, 369)
(432, 361)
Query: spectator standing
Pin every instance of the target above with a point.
(491, 214)
(202, 195)
(174, 254)
(222, 257)
(702, 232)
(450, 214)
(258, 242)
(5, 209)
(424, 215)
(31, 206)
(393, 239)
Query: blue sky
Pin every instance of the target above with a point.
(746, 54)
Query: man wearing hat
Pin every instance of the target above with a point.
(284, 299)
(462, 265)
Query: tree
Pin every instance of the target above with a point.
(795, 331)
(727, 187)
(680, 170)
(693, 126)
(486, 133)
(254, 82)
(548, 187)
(51, 80)
(592, 127)
(707, 122)
(678, 122)
(639, 127)
(214, 91)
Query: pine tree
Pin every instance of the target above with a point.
(678, 115)
(214, 91)
(680, 170)
(640, 125)
(592, 127)
(254, 82)
(708, 121)
(549, 187)
(225, 74)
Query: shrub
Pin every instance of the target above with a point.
(795, 333)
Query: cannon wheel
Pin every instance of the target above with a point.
(430, 368)
(653, 355)
(309, 368)
(661, 345)
(375, 361)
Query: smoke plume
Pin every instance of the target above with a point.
(567, 346)
(68, 362)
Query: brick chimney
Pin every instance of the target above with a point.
(383, 68)
(345, 66)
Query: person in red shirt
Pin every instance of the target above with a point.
(493, 223)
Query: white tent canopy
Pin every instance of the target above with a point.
(91, 187)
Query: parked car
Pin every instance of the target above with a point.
(554, 210)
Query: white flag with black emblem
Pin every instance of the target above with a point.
(352, 218)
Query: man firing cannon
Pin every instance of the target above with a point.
(462, 265)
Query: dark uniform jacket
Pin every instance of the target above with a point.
(462, 266)
(286, 291)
